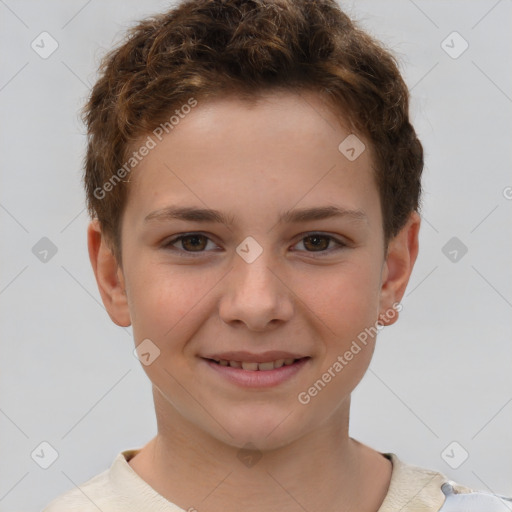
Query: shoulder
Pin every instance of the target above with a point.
(413, 488)
(90, 496)
(105, 491)
(472, 501)
(117, 489)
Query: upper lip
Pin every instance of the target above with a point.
(249, 357)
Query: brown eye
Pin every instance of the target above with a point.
(194, 242)
(317, 242)
(188, 244)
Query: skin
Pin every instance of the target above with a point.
(253, 162)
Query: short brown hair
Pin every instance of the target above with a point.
(207, 48)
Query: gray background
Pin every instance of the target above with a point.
(441, 374)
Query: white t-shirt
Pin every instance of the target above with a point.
(412, 489)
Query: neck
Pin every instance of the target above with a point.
(323, 470)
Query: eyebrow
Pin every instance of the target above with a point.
(291, 216)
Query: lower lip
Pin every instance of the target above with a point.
(258, 378)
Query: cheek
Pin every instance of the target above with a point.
(164, 300)
(345, 305)
(342, 299)
(345, 298)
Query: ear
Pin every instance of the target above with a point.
(109, 276)
(397, 268)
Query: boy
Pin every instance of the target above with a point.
(254, 183)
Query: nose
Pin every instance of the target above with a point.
(256, 295)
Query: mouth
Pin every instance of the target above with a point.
(257, 366)
(255, 374)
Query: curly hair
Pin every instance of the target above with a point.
(202, 49)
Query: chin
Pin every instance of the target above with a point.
(261, 431)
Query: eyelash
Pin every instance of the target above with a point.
(182, 252)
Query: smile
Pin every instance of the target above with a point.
(254, 366)
(252, 374)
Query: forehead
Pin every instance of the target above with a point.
(282, 147)
(290, 115)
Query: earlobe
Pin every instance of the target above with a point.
(109, 276)
(401, 256)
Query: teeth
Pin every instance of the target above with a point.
(249, 366)
(246, 365)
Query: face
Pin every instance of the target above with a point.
(291, 266)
